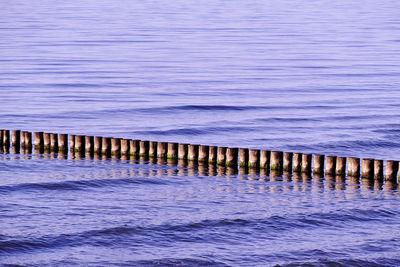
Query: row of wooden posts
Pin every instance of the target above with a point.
(225, 156)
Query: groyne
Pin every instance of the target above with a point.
(231, 157)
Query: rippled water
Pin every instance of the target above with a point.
(315, 76)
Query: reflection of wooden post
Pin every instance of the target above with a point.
(319, 164)
(232, 157)
(306, 160)
(193, 152)
(172, 151)
(212, 154)
(330, 168)
(162, 150)
(392, 167)
(353, 168)
(203, 153)
(297, 158)
(183, 151)
(340, 166)
(276, 160)
(243, 157)
(287, 161)
(54, 142)
(367, 168)
(265, 158)
(62, 143)
(221, 156)
(378, 169)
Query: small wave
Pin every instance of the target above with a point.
(177, 262)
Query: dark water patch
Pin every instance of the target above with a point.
(342, 262)
(175, 262)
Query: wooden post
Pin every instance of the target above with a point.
(72, 142)
(330, 168)
(23, 139)
(392, 167)
(212, 154)
(106, 146)
(203, 153)
(265, 159)
(124, 147)
(276, 160)
(6, 138)
(172, 151)
(1, 138)
(287, 161)
(243, 157)
(232, 157)
(116, 147)
(367, 168)
(340, 166)
(353, 168)
(152, 149)
(306, 160)
(16, 139)
(254, 158)
(144, 148)
(28, 140)
(378, 169)
(134, 147)
(221, 157)
(183, 151)
(193, 152)
(89, 144)
(297, 158)
(63, 143)
(38, 140)
(97, 145)
(54, 142)
(79, 143)
(162, 150)
(47, 141)
(318, 167)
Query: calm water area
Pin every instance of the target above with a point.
(302, 76)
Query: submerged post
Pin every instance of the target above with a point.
(319, 164)
(287, 161)
(276, 160)
(297, 158)
(367, 168)
(221, 156)
(353, 167)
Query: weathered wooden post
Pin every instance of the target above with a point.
(243, 157)
(221, 157)
(212, 154)
(276, 160)
(183, 151)
(378, 169)
(232, 157)
(28, 141)
(38, 141)
(306, 160)
(1, 138)
(134, 147)
(287, 161)
(144, 148)
(63, 143)
(330, 168)
(297, 158)
(124, 147)
(318, 167)
(47, 141)
(254, 158)
(89, 144)
(6, 138)
(116, 147)
(16, 140)
(367, 168)
(106, 146)
(353, 168)
(193, 152)
(54, 142)
(152, 149)
(392, 167)
(162, 150)
(203, 153)
(265, 159)
(79, 144)
(172, 151)
(97, 145)
(23, 139)
(340, 166)
(72, 143)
